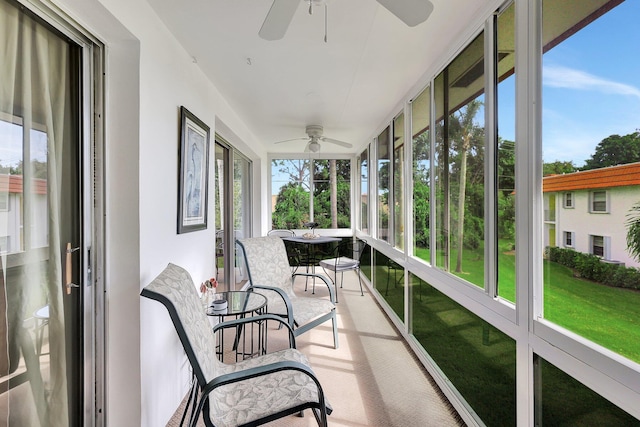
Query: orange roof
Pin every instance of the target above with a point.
(13, 184)
(613, 176)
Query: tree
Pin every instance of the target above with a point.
(633, 231)
(292, 207)
(615, 150)
(333, 184)
(295, 170)
(421, 186)
(506, 166)
(470, 137)
(558, 168)
(332, 193)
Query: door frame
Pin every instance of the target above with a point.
(91, 115)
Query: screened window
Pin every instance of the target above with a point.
(305, 190)
(398, 181)
(459, 164)
(598, 201)
(420, 129)
(384, 170)
(586, 126)
(364, 191)
(504, 58)
(331, 194)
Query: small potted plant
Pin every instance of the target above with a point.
(208, 291)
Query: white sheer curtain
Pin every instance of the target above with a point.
(34, 95)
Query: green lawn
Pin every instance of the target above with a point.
(605, 315)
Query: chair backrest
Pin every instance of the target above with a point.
(174, 288)
(267, 263)
(281, 233)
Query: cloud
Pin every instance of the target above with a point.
(564, 77)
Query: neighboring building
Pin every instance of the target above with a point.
(11, 214)
(587, 211)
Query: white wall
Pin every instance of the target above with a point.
(610, 224)
(148, 77)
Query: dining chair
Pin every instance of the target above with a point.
(277, 232)
(346, 257)
(250, 392)
(268, 270)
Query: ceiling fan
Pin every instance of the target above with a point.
(411, 12)
(314, 133)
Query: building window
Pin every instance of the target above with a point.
(568, 200)
(598, 201)
(569, 239)
(597, 245)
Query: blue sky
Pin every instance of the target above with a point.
(591, 86)
(11, 144)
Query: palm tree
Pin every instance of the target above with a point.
(633, 231)
(468, 132)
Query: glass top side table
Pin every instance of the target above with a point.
(249, 341)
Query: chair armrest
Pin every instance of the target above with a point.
(253, 319)
(332, 295)
(285, 299)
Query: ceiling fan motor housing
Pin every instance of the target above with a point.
(314, 131)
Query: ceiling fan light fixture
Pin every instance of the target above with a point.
(314, 146)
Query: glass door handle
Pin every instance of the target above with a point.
(68, 269)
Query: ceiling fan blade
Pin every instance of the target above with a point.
(337, 142)
(411, 12)
(277, 21)
(289, 140)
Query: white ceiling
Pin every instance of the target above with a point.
(350, 85)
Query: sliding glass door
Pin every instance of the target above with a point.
(44, 250)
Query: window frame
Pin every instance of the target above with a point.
(593, 201)
(317, 156)
(571, 239)
(568, 200)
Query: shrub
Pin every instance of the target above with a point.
(591, 267)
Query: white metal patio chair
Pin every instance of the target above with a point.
(346, 257)
(269, 273)
(251, 392)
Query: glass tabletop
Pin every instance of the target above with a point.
(238, 302)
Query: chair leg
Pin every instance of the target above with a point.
(359, 280)
(335, 330)
(192, 399)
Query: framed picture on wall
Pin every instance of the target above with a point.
(193, 175)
